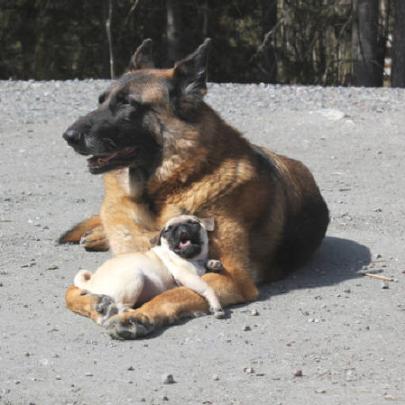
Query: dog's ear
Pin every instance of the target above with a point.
(142, 57)
(190, 76)
(209, 223)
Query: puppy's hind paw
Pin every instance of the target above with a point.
(106, 308)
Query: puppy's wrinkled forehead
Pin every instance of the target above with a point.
(146, 86)
(181, 219)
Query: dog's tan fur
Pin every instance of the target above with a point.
(208, 171)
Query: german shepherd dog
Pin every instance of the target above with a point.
(165, 152)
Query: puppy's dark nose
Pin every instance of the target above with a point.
(72, 136)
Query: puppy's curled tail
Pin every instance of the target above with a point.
(81, 278)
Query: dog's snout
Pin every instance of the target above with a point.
(72, 136)
(183, 234)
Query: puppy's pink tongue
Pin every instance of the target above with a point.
(184, 244)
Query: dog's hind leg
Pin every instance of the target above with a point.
(171, 306)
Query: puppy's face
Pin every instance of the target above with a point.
(187, 236)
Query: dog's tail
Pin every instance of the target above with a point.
(81, 279)
(73, 235)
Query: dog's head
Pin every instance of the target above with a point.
(186, 235)
(130, 126)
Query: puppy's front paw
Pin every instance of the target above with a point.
(214, 265)
(219, 313)
(106, 308)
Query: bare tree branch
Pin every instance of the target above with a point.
(131, 11)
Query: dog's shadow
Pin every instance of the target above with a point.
(336, 260)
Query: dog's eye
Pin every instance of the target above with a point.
(169, 228)
(128, 99)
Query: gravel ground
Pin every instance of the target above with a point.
(326, 335)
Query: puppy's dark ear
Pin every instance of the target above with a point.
(209, 223)
(155, 241)
(190, 76)
(142, 57)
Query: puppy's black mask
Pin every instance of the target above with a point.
(184, 238)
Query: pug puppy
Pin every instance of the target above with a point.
(180, 258)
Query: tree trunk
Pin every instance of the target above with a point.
(205, 10)
(269, 21)
(367, 71)
(173, 30)
(398, 48)
(109, 38)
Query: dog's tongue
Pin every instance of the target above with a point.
(104, 159)
(184, 244)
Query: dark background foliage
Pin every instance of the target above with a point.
(342, 42)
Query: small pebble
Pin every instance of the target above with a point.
(320, 391)
(298, 373)
(215, 377)
(389, 397)
(88, 374)
(165, 398)
(246, 328)
(385, 285)
(249, 370)
(53, 267)
(254, 312)
(130, 368)
(347, 291)
(168, 379)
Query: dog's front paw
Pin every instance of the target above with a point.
(106, 308)
(128, 328)
(214, 265)
(95, 240)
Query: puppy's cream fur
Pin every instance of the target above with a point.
(132, 279)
